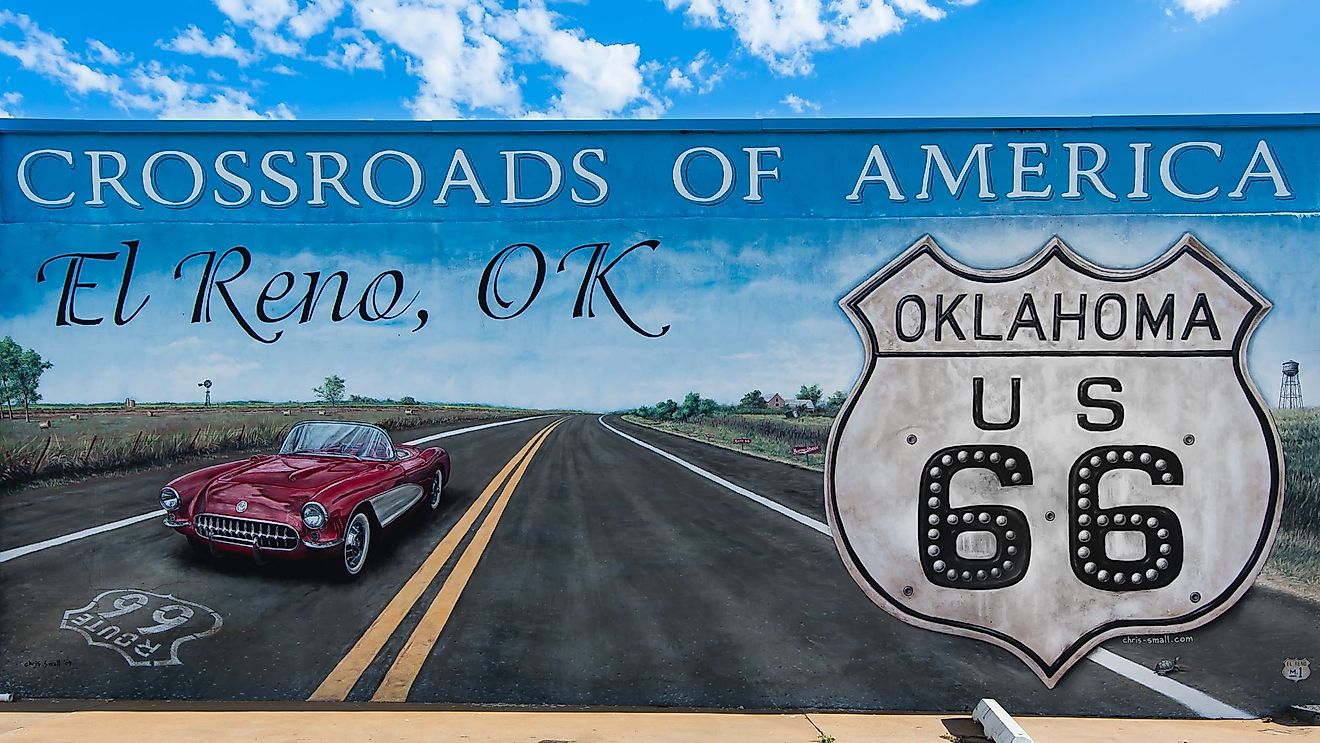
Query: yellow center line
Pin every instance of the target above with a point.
(399, 680)
(337, 685)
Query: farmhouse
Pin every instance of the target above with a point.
(777, 402)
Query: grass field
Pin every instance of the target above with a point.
(772, 436)
(85, 440)
(1294, 563)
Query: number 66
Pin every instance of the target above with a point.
(940, 525)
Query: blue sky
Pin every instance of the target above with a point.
(391, 59)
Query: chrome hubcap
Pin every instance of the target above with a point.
(436, 486)
(356, 542)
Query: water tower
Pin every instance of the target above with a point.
(1290, 391)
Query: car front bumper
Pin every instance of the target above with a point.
(301, 546)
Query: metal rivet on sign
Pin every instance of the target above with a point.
(1196, 597)
(907, 590)
(911, 438)
(1049, 515)
(1189, 439)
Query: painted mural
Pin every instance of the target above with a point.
(882, 415)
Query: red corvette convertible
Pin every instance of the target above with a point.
(333, 486)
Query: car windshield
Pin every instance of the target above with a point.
(338, 440)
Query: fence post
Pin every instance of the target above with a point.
(37, 468)
(242, 434)
(88, 456)
(136, 441)
(193, 445)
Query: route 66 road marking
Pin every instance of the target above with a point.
(145, 628)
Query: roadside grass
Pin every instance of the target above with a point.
(103, 440)
(772, 437)
(1293, 565)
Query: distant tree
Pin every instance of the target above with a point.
(811, 393)
(27, 378)
(753, 400)
(10, 354)
(836, 400)
(332, 391)
(407, 400)
(708, 407)
(690, 407)
(665, 410)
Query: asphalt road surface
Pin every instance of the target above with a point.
(570, 565)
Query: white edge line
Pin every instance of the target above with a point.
(773, 506)
(470, 429)
(8, 555)
(17, 552)
(1197, 701)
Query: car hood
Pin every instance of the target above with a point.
(281, 481)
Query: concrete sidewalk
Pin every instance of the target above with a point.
(407, 726)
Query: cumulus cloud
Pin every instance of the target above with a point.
(800, 104)
(355, 51)
(98, 52)
(597, 80)
(460, 65)
(678, 81)
(785, 34)
(8, 102)
(192, 41)
(1202, 9)
(469, 56)
(151, 88)
(47, 54)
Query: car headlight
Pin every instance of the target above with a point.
(169, 499)
(314, 515)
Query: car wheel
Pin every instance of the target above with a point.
(437, 485)
(357, 542)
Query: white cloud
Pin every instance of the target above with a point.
(267, 14)
(471, 55)
(283, 69)
(358, 52)
(451, 51)
(99, 52)
(1202, 9)
(315, 17)
(151, 88)
(785, 34)
(706, 73)
(860, 21)
(678, 81)
(9, 101)
(192, 41)
(799, 104)
(175, 98)
(47, 54)
(598, 80)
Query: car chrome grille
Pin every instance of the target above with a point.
(263, 534)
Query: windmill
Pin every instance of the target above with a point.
(207, 384)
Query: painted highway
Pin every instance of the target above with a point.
(574, 561)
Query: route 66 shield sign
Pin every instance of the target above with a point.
(1053, 454)
(145, 628)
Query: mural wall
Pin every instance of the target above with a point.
(884, 415)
